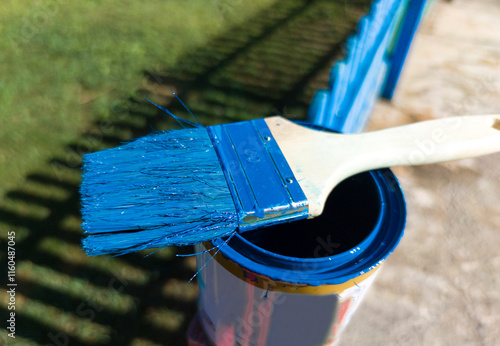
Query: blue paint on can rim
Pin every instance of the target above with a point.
(370, 205)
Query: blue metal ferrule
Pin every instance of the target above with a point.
(264, 189)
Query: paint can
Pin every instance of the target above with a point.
(300, 283)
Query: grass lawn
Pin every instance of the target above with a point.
(74, 76)
(63, 63)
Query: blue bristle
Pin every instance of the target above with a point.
(164, 189)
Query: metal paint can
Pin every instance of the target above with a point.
(300, 283)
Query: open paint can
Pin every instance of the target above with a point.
(299, 283)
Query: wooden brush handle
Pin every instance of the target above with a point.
(320, 160)
(432, 141)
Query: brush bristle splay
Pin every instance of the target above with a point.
(164, 189)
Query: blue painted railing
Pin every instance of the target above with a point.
(413, 15)
(372, 64)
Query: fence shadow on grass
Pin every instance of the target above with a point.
(270, 65)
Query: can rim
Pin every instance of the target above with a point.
(336, 269)
(268, 284)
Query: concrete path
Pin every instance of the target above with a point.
(442, 284)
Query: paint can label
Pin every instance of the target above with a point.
(237, 308)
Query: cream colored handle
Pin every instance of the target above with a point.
(432, 141)
(320, 160)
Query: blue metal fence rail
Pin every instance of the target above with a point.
(371, 66)
(397, 57)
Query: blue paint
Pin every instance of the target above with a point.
(356, 81)
(263, 186)
(297, 197)
(182, 122)
(365, 214)
(186, 186)
(164, 189)
(413, 16)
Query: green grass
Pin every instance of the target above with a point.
(63, 66)
(73, 79)
(63, 63)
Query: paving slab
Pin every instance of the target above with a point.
(442, 284)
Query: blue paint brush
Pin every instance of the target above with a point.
(191, 185)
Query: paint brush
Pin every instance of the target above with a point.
(191, 185)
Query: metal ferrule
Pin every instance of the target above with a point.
(264, 189)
